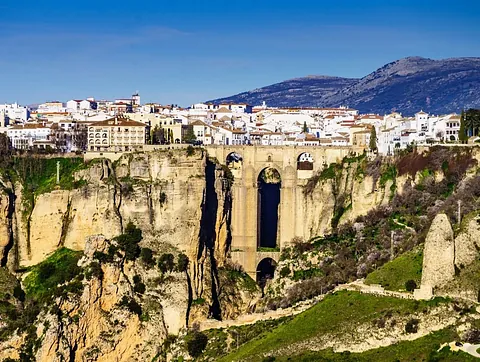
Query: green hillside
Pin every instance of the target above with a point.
(338, 315)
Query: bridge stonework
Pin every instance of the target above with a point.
(244, 247)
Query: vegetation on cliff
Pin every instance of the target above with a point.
(338, 317)
(395, 274)
(47, 279)
(434, 182)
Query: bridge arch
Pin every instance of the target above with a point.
(265, 271)
(305, 161)
(269, 183)
(234, 160)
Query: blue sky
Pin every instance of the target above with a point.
(187, 51)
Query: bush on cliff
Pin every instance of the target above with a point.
(128, 241)
(166, 263)
(196, 343)
(146, 255)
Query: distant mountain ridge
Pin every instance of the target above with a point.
(406, 85)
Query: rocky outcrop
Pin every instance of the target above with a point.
(467, 243)
(342, 197)
(96, 326)
(438, 254)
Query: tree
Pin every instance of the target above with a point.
(462, 133)
(472, 121)
(79, 137)
(373, 140)
(182, 262)
(410, 285)
(189, 136)
(147, 256)
(166, 263)
(196, 343)
(59, 138)
(128, 241)
(305, 128)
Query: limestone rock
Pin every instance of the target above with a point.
(438, 253)
(467, 243)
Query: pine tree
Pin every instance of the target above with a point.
(373, 140)
(462, 132)
(305, 128)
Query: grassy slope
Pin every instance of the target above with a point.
(421, 349)
(337, 314)
(58, 268)
(394, 274)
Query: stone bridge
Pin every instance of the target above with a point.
(294, 165)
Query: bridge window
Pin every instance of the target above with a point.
(305, 161)
(269, 183)
(265, 271)
(234, 160)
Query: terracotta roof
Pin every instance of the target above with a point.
(198, 123)
(29, 126)
(223, 110)
(118, 121)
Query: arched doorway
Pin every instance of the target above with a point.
(305, 161)
(265, 271)
(269, 184)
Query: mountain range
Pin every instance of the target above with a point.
(407, 85)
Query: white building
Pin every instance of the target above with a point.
(116, 134)
(29, 135)
(15, 112)
(77, 105)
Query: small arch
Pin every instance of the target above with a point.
(265, 271)
(234, 160)
(305, 161)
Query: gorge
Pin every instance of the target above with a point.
(335, 211)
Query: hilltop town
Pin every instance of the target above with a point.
(99, 126)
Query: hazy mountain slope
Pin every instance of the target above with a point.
(299, 92)
(406, 85)
(411, 84)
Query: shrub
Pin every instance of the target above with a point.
(166, 263)
(190, 151)
(146, 255)
(18, 293)
(472, 336)
(131, 305)
(95, 270)
(410, 285)
(128, 241)
(412, 326)
(285, 271)
(182, 263)
(138, 286)
(163, 198)
(269, 359)
(196, 343)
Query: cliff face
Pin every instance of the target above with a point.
(159, 192)
(341, 193)
(173, 198)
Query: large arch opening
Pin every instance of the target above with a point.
(305, 161)
(265, 271)
(269, 184)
